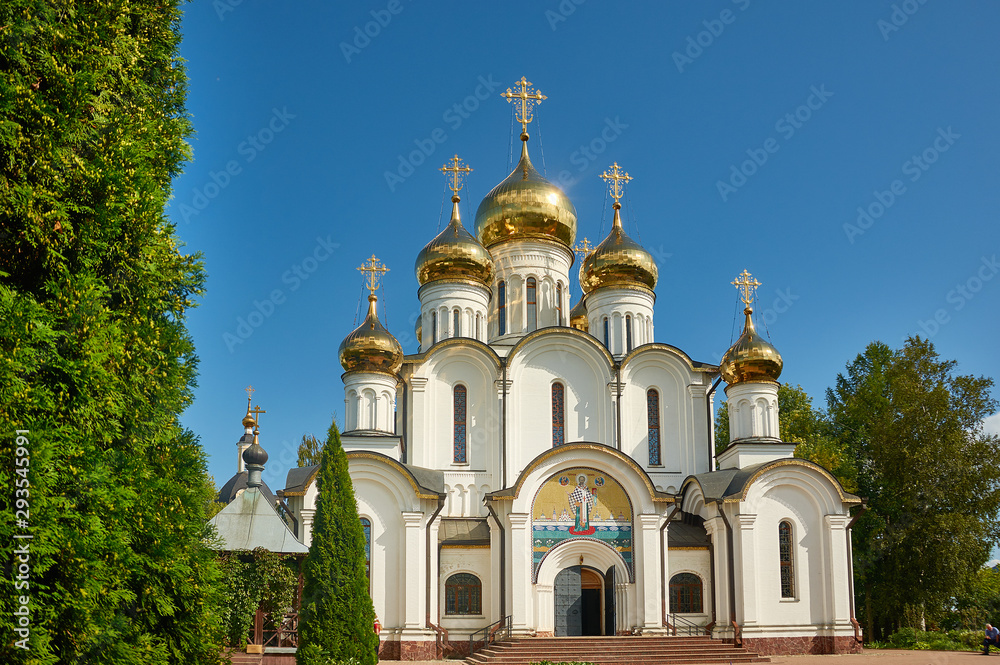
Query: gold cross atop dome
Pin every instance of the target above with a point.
(456, 173)
(527, 98)
(373, 270)
(250, 392)
(256, 411)
(746, 283)
(584, 248)
(615, 179)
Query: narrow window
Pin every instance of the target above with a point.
(628, 333)
(457, 323)
(559, 307)
(685, 594)
(502, 308)
(478, 326)
(463, 594)
(434, 327)
(785, 545)
(607, 334)
(653, 418)
(459, 439)
(558, 414)
(366, 526)
(532, 304)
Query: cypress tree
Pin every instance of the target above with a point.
(337, 614)
(95, 361)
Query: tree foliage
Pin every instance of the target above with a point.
(251, 580)
(929, 474)
(337, 614)
(95, 360)
(310, 450)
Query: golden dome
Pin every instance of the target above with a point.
(750, 358)
(525, 205)
(618, 261)
(370, 347)
(454, 255)
(578, 316)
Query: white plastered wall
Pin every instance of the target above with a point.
(473, 560)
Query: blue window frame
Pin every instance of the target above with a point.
(502, 308)
(459, 448)
(653, 418)
(558, 414)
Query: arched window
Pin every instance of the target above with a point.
(607, 334)
(502, 308)
(463, 594)
(459, 439)
(628, 333)
(434, 327)
(785, 545)
(685, 594)
(456, 324)
(559, 307)
(653, 420)
(531, 297)
(366, 526)
(478, 318)
(558, 414)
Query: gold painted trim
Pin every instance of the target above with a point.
(535, 463)
(458, 280)
(454, 546)
(792, 462)
(372, 371)
(416, 359)
(660, 346)
(398, 467)
(550, 330)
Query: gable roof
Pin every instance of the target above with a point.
(250, 521)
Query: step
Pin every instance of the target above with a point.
(606, 650)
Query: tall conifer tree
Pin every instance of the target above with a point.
(95, 362)
(337, 614)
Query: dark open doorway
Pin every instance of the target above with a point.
(582, 602)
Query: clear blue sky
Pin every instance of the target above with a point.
(843, 105)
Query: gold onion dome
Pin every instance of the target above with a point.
(525, 206)
(370, 347)
(454, 255)
(751, 358)
(618, 261)
(578, 316)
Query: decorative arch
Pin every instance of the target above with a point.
(687, 592)
(596, 554)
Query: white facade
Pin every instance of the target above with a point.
(524, 468)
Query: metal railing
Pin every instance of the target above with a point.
(275, 630)
(680, 626)
(491, 633)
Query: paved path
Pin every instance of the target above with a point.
(869, 657)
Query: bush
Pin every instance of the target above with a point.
(952, 640)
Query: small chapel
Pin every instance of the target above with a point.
(551, 469)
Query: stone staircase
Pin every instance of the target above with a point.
(613, 651)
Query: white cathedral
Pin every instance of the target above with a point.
(557, 466)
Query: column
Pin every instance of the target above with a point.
(306, 516)
(648, 573)
(413, 572)
(716, 530)
(520, 570)
(839, 602)
(746, 570)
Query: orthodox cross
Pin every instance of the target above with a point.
(456, 174)
(373, 270)
(250, 392)
(615, 179)
(584, 248)
(747, 285)
(256, 411)
(527, 98)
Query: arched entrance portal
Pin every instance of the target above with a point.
(584, 601)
